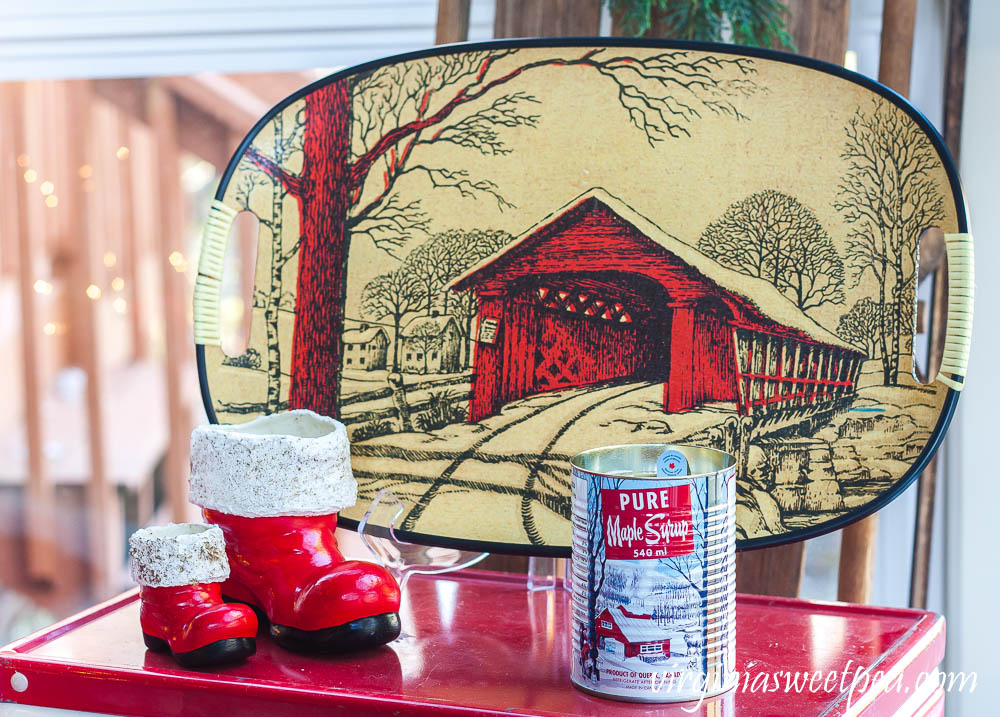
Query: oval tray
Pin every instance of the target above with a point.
(486, 258)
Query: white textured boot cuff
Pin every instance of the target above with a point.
(178, 554)
(293, 463)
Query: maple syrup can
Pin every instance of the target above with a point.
(654, 554)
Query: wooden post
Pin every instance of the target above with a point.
(130, 254)
(899, 19)
(766, 383)
(102, 509)
(771, 571)
(830, 358)
(796, 370)
(783, 374)
(757, 366)
(162, 114)
(819, 28)
(39, 524)
(954, 92)
(551, 18)
(857, 546)
(452, 21)
(741, 388)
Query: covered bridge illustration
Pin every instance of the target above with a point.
(596, 292)
(639, 634)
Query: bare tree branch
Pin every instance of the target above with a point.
(661, 93)
(290, 182)
(888, 196)
(773, 236)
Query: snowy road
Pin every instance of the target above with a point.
(506, 478)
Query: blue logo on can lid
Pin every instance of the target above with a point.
(671, 464)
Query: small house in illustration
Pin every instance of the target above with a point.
(431, 344)
(639, 635)
(365, 348)
(596, 292)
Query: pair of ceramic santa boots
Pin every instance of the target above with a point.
(270, 491)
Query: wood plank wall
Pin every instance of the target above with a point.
(107, 157)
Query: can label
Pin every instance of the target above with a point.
(647, 524)
(654, 585)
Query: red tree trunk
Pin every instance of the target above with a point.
(322, 279)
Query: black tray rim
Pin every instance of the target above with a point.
(554, 551)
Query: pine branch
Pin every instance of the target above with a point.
(759, 23)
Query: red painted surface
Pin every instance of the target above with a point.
(713, 345)
(192, 616)
(587, 299)
(678, 393)
(474, 644)
(292, 568)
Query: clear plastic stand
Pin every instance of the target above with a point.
(377, 531)
(543, 574)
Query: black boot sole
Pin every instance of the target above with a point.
(361, 634)
(232, 649)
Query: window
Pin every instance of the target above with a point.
(350, 361)
(420, 357)
(409, 357)
(350, 347)
(362, 361)
(434, 355)
(605, 624)
(654, 648)
(584, 303)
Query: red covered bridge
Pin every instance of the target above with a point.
(596, 292)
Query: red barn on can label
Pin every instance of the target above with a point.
(654, 553)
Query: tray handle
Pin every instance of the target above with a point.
(961, 290)
(208, 284)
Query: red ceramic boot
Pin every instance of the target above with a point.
(274, 486)
(180, 569)
(291, 568)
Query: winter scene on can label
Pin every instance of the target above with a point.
(455, 263)
(653, 601)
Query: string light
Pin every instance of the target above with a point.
(120, 305)
(118, 283)
(23, 160)
(43, 287)
(85, 171)
(123, 152)
(52, 201)
(110, 259)
(49, 329)
(177, 261)
(30, 175)
(94, 292)
(46, 188)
